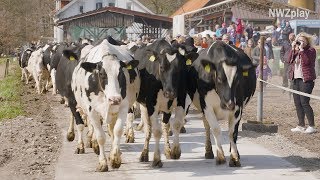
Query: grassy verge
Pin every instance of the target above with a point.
(10, 90)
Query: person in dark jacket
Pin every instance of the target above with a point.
(286, 31)
(284, 55)
(302, 59)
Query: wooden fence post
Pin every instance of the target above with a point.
(6, 71)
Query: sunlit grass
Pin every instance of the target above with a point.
(10, 90)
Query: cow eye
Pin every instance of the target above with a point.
(162, 68)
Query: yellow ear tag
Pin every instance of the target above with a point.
(207, 68)
(152, 58)
(188, 62)
(71, 58)
(245, 73)
(129, 67)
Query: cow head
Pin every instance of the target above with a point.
(167, 65)
(224, 67)
(110, 73)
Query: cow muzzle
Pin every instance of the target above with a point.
(114, 100)
(169, 94)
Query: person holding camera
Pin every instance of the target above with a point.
(302, 71)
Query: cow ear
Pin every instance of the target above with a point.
(133, 64)
(207, 66)
(90, 67)
(70, 55)
(191, 57)
(151, 55)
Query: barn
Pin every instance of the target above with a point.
(122, 19)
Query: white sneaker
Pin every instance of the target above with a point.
(310, 130)
(298, 129)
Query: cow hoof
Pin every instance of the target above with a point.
(170, 133)
(130, 139)
(175, 153)
(115, 162)
(157, 164)
(62, 101)
(95, 146)
(234, 162)
(220, 161)
(102, 167)
(167, 153)
(70, 136)
(79, 151)
(183, 130)
(209, 155)
(144, 157)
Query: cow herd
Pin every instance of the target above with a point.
(101, 83)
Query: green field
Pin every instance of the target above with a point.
(10, 90)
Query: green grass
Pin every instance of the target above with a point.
(10, 90)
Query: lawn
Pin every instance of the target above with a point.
(10, 90)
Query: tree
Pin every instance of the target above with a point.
(24, 21)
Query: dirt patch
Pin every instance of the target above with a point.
(300, 149)
(30, 144)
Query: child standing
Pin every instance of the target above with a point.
(266, 73)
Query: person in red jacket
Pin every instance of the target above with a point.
(302, 59)
(239, 30)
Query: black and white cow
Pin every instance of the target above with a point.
(23, 62)
(105, 84)
(63, 75)
(38, 71)
(162, 73)
(225, 81)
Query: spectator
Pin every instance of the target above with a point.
(284, 55)
(226, 39)
(218, 33)
(232, 33)
(255, 54)
(266, 73)
(315, 39)
(248, 49)
(286, 31)
(209, 39)
(223, 29)
(239, 30)
(214, 37)
(249, 31)
(256, 36)
(302, 71)
(204, 43)
(269, 51)
(243, 43)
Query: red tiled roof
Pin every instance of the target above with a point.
(191, 5)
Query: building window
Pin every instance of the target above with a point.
(112, 4)
(81, 9)
(129, 5)
(99, 5)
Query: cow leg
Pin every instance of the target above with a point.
(89, 136)
(22, 74)
(140, 125)
(234, 123)
(80, 127)
(129, 127)
(157, 133)
(53, 78)
(36, 79)
(144, 157)
(70, 133)
(165, 130)
(115, 154)
(208, 146)
(176, 125)
(214, 125)
(101, 138)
